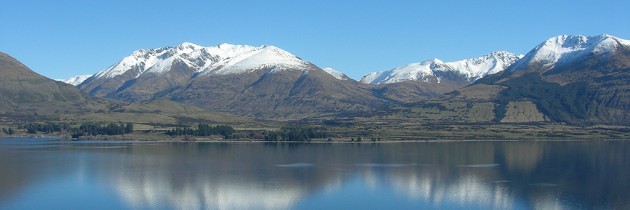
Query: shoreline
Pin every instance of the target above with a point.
(314, 141)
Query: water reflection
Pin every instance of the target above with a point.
(472, 175)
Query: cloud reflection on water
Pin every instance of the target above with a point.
(480, 175)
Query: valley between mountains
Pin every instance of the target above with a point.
(567, 87)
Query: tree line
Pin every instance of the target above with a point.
(88, 129)
(33, 128)
(202, 130)
(8, 131)
(295, 134)
(93, 129)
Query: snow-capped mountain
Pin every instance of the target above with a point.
(576, 79)
(564, 49)
(221, 59)
(337, 74)
(435, 69)
(76, 80)
(241, 79)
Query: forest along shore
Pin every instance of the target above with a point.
(357, 133)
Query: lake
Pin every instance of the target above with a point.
(59, 174)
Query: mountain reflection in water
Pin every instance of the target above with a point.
(473, 175)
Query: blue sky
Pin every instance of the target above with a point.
(62, 38)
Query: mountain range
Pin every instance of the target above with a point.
(575, 79)
(269, 82)
(433, 78)
(436, 70)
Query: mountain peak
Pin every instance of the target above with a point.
(75, 80)
(221, 59)
(226, 46)
(432, 61)
(502, 54)
(335, 73)
(566, 48)
(578, 42)
(188, 45)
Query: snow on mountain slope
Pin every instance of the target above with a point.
(221, 59)
(265, 56)
(337, 74)
(470, 69)
(76, 80)
(567, 48)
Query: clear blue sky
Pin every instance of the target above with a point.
(62, 38)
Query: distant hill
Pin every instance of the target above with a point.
(23, 91)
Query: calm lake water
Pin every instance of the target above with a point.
(56, 174)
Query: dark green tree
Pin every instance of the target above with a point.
(129, 128)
